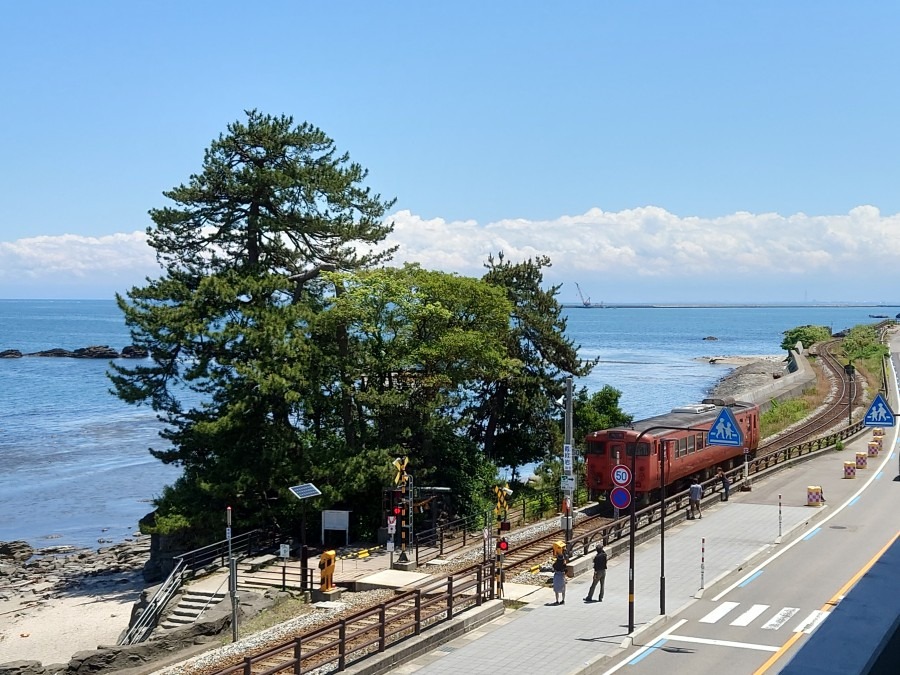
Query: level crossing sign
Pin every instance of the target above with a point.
(725, 431)
(879, 414)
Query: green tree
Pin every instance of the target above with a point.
(515, 418)
(808, 335)
(420, 345)
(226, 325)
(862, 343)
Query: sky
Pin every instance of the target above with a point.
(655, 151)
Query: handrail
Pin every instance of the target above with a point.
(242, 544)
(147, 621)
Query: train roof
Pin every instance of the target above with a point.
(693, 415)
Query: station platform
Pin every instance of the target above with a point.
(580, 637)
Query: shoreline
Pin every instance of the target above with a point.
(57, 601)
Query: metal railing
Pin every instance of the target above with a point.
(372, 630)
(192, 561)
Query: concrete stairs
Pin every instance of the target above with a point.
(193, 603)
(265, 572)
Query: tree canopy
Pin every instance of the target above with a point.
(282, 351)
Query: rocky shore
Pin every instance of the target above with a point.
(57, 601)
(93, 352)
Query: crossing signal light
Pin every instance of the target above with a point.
(397, 510)
(502, 545)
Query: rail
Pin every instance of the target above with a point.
(191, 562)
(349, 640)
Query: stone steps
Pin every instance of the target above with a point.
(191, 607)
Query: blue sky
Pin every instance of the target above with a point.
(657, 151)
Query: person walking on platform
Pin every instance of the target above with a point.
(559, 579)
(694, 495)
(726, 484)
(599, 574)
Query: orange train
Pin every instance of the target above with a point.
(666, 439)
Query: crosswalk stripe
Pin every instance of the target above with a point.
(719, 612)
(808, 625)
(748, 616)
(779, 619)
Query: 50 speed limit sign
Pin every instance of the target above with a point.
(621, 475)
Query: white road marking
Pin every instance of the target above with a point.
(719, 612)
(779, 619)
(810, 623)
(645, 648)
(723, 643)
(748, 616)
(788, 547)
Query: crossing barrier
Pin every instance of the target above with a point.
(814, 495)
(861, 460)
(849, 469)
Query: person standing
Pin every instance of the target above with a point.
(559, 579)
(599, 574)
(726, 484)
(694, 495)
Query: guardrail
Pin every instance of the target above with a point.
(355, 637)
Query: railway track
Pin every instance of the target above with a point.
(846, 394)
(526, 556)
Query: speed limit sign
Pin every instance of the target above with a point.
(621, 475)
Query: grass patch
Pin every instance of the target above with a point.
(283, 610)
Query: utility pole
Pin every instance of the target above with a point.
(568, 459)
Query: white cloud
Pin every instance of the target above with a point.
(638, 255)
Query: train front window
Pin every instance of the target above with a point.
(596, 447)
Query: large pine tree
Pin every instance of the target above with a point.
(226, 323)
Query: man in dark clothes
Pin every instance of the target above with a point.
(599, 574)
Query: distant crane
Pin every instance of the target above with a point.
(584, 301)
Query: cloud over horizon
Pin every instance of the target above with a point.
(636, 255)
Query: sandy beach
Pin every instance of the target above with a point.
(51, 629)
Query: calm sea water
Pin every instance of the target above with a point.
(74, 461)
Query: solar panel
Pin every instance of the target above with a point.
(305, 491)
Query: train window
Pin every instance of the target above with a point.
(596, 447)
(643, 449)
(700, 442)
(690, 444)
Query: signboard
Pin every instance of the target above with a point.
(284, 551)
(228, 533)
(567, 458)
(336, 520)
(725, 431)
(567, 483)
(392, 524)
(621, 475)
(879, 414)
(389, 547)
(620, 497)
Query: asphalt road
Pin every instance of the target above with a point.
(756, 619)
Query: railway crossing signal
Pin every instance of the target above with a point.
(501, 492)
(400, 465)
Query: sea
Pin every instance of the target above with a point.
(75, 467)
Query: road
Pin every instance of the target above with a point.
(756, 619)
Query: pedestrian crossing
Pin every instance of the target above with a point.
(764, 616)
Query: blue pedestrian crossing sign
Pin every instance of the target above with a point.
(879, 414)
(725, 431)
